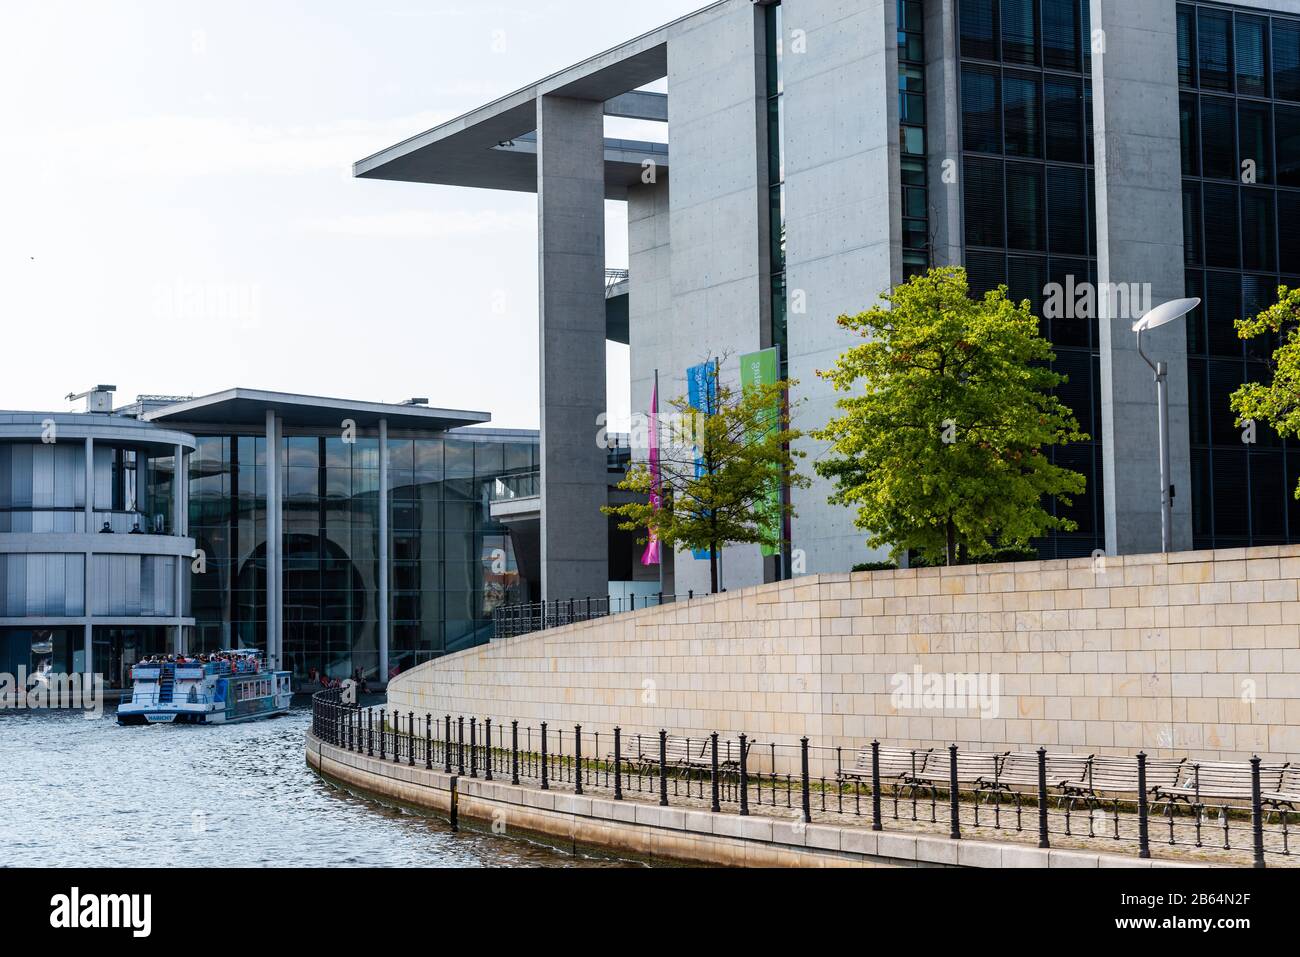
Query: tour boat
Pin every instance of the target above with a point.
(223, 691)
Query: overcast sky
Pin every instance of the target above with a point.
(177, 213)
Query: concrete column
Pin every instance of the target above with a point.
(383, 550)
(843, 226)
(88, 636)
(273, 517)
(943, 130)
(719, 273)
(1139, 241)
(571, 271)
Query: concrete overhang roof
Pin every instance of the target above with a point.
(471, 150)
(249, 407)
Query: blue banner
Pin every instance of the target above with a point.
(702, 393)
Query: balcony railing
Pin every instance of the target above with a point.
(507, 488)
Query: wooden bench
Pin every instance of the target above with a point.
(1220, 780)
(1108, 774)
(972, 766)
(642, 752)
(1288, 792)
(895, 764)
(1019, 772)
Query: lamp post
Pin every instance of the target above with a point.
(1159, 316)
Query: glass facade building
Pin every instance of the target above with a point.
(1239, 108)
(1028, 200)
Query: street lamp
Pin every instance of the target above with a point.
(1159, 316)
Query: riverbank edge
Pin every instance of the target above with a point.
(679, 835)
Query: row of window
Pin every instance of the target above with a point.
(1049, 33)
(911, 114)
(1237, 52)
(1035, 116)
(1029, 207)
(1241, 140)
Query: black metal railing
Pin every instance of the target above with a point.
(938, 790)
(527, 617)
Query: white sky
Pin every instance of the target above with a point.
(177, 213)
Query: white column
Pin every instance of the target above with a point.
(272, 541)
(90, 486)
(178, 531)
(88, 581)
(383, 550)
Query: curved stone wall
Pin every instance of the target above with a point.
(1196, 653)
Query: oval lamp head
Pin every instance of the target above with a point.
(1165, 313)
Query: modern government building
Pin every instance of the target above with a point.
(817, 152)
(325, 553)
(813, 154)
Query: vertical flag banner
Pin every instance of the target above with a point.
(759, 369)
(651, 555)
(702, 393)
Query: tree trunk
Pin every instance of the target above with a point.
(713, 568)
(952, 543)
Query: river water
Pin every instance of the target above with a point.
(79, 792)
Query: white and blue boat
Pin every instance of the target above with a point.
(234, 687)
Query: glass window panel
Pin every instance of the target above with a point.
(1186, 45)
(984, 204)
(979, 37)
(1019, 31)
(1215, 45)
(1189, 140)
(981, 116)
(1252, 62)
(1286, 124)
(1021, 111)
(1256, 143)
(1231, 495)
(1067, 199)
(1222, 310)
(1268, 497)
(985, 272)
(1286, 59)
(1218, 150)
(1288, 221)
(1221, 232)
(1192, 224)
(1195, 286)
(1061, 34)
(1257, 244)
(1069, 328)
(1064, 112)
(1025, 207)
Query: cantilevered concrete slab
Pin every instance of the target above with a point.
(250, 406)
(487, 147)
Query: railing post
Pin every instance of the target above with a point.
(428, 741)
(410, 739)
(545, 781)
(455, 804)
(744, 776)
(1043, 840)
(807, 798)
(446, 745)
(663, 767)
(618, 763)
(370, 732)
(577, 759)
(487, 748)
(383, 717)
(1144, 837)
(514, 751)
(1256, 812)
(717, 806)
(954, 798)
(397, 737)
(876, 824)
(460, 744)
(473, 747)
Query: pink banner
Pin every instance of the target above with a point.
(651, 556)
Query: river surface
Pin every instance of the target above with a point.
(79, 792)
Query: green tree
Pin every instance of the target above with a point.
(718, 469)
(941, 444)
(1276, 402)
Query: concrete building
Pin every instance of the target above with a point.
(819, 152)
(93, 541)
(364, 540)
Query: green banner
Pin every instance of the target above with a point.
(759, 369)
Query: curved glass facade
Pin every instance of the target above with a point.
(449, 563)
